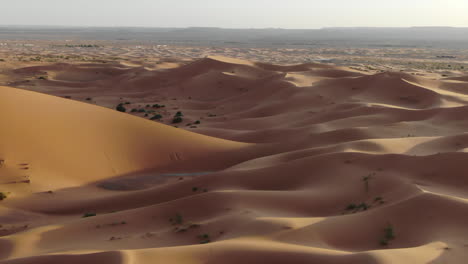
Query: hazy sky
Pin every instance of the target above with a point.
(236, 13)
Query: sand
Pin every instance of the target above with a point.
(304, 163)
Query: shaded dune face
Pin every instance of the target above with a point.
(289, 164)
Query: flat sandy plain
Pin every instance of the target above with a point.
(276, 158)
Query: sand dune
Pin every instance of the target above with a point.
(287, 164)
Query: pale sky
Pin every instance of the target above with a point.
(236, 13)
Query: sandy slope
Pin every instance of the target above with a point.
(290, 164)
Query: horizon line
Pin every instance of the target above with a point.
(234, 28)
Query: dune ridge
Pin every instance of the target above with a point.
(301, 163)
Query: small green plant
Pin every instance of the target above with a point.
(197, 122)
(156, 117)
(178, 114)
(363, 206)
(194, 189)
(357, 207)
(379, 200)
(121, 108)
(366, 180)
(177, 219)
(204, 238)
(2, 196)
(134, 110)
(177, 119)
(89, 215)
(148, 105)
(88, 99)
(389, 234)
(42, 78)
(141, 110)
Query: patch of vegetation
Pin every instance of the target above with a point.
(88, 99)
(156, 117)
(121, 108)
(177, 119)
(42, 78)
(177, 219)
(141, 110)
(82, 46)
(366, 180)
(158, 106)
(204, 238)
(89, 215)
(134, 110)
(379, 200)
(2, 196)
(181, 225)
(195, 189)
(197, 122)
(389, 234)
(357, 207)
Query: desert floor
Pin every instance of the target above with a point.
(227, 160)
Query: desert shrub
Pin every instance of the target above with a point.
(2, 196)
(177, 119)
(197, 122)
(158, 106)
(121, 108)
(179, 114)
(156, 117)
(379, 200)
(88, 99)
(204, 238)
(134, 110)
(89, 215)
(389, 234)
(366, 180)
(177, 219)
(141, 110)
(42, 78)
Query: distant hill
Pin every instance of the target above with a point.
(435, 37)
